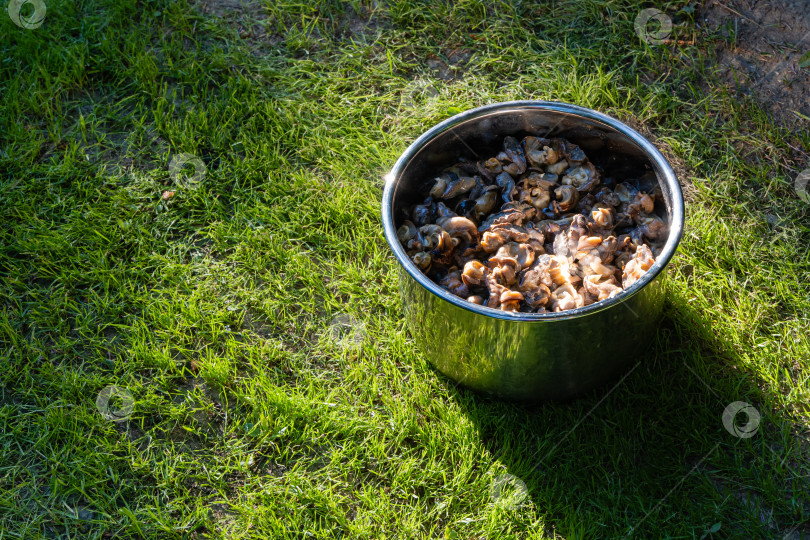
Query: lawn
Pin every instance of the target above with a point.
(217, 349)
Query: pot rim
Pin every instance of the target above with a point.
(676, 214)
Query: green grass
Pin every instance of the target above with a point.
(212, 308)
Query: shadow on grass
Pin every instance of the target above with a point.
(650, 457)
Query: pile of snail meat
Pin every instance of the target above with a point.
(536, 228)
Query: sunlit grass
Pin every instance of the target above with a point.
(212, 306)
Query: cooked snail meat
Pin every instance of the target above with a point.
(534, 228)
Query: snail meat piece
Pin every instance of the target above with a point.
(538, 297)
(443, 252)
(507, 184)
(406, 232)
(600, 288)
(607, 196)
(560, 271)
(566, 297)
(653, 227)
(536, 275)
(424, 214)
(478, 189)
(490, 168)
(442, 211)
(510, 300)
(538, 153)
(422, 261)
(429, 236)
(557, 168)
(539, 196)
(459, 227)
(637, 266)
(460, 186)
(519, 255)
(453, 283)
(485, 203)
(514, 151)
(517, 213)
(498, 235)
(601, 218)
(625, 192)
(566, 197)
(440, 184)
(645, 202)
(572, 153)
(584, 177)
(474, 274)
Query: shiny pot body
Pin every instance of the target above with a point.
(531, 356)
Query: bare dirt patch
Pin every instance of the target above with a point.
(250, 20)
(452, 66)
(361, 24)
(759, 54)
(246, 16)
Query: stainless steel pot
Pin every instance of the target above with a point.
(531, 356)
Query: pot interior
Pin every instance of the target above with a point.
(481, 136)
